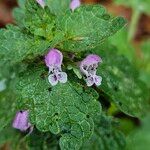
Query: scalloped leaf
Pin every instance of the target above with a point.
(87, 27)
(121, 82)
(58, 11)
(67, 109)
(106, 136)
(16, 46)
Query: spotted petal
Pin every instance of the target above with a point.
(89, 81)
(97, 80)
(62, 77)
(52, 79)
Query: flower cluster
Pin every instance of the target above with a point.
(88, 67)
(53, 61)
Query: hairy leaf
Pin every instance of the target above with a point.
(106, 136)
(7, 108)
(121, 83)
(15, 46)
(61, 10)
(42, 141)
(87, 27)
(67, 109)
(120, 41)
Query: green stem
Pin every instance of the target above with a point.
(133, 25)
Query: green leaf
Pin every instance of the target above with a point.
(68, 142)
(106, 136)
(16, 46)
(7, 102)
(9, 135)
(87, 27)
(58, 7)
(75, 70)
(38, 21)
(121, 83)
(143, 63)
(80, 30)
(141, 5)
(41, 141)
(67, 109)
(125, 48)
(119, 40)
(139, 139)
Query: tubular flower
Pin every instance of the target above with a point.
(21, 121)
(53, 61)
(89, 67)
(41, 2)
(74, 4)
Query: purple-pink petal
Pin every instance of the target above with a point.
(53, 58)
(90, 60)
(21, 121)
(74, 4)
(41, 2)
(53, 80)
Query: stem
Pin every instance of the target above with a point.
(133, 25)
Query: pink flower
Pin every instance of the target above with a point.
(41, 2)
(54, 60)
(21, 121)
(88, 67)
(74, 4)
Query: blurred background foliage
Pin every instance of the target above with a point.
(132, 42)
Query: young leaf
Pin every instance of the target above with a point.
(38, 21)
(58, 11)
(87, 27)
(15, 46)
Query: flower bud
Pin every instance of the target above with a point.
(21, 121)
(74, 4)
